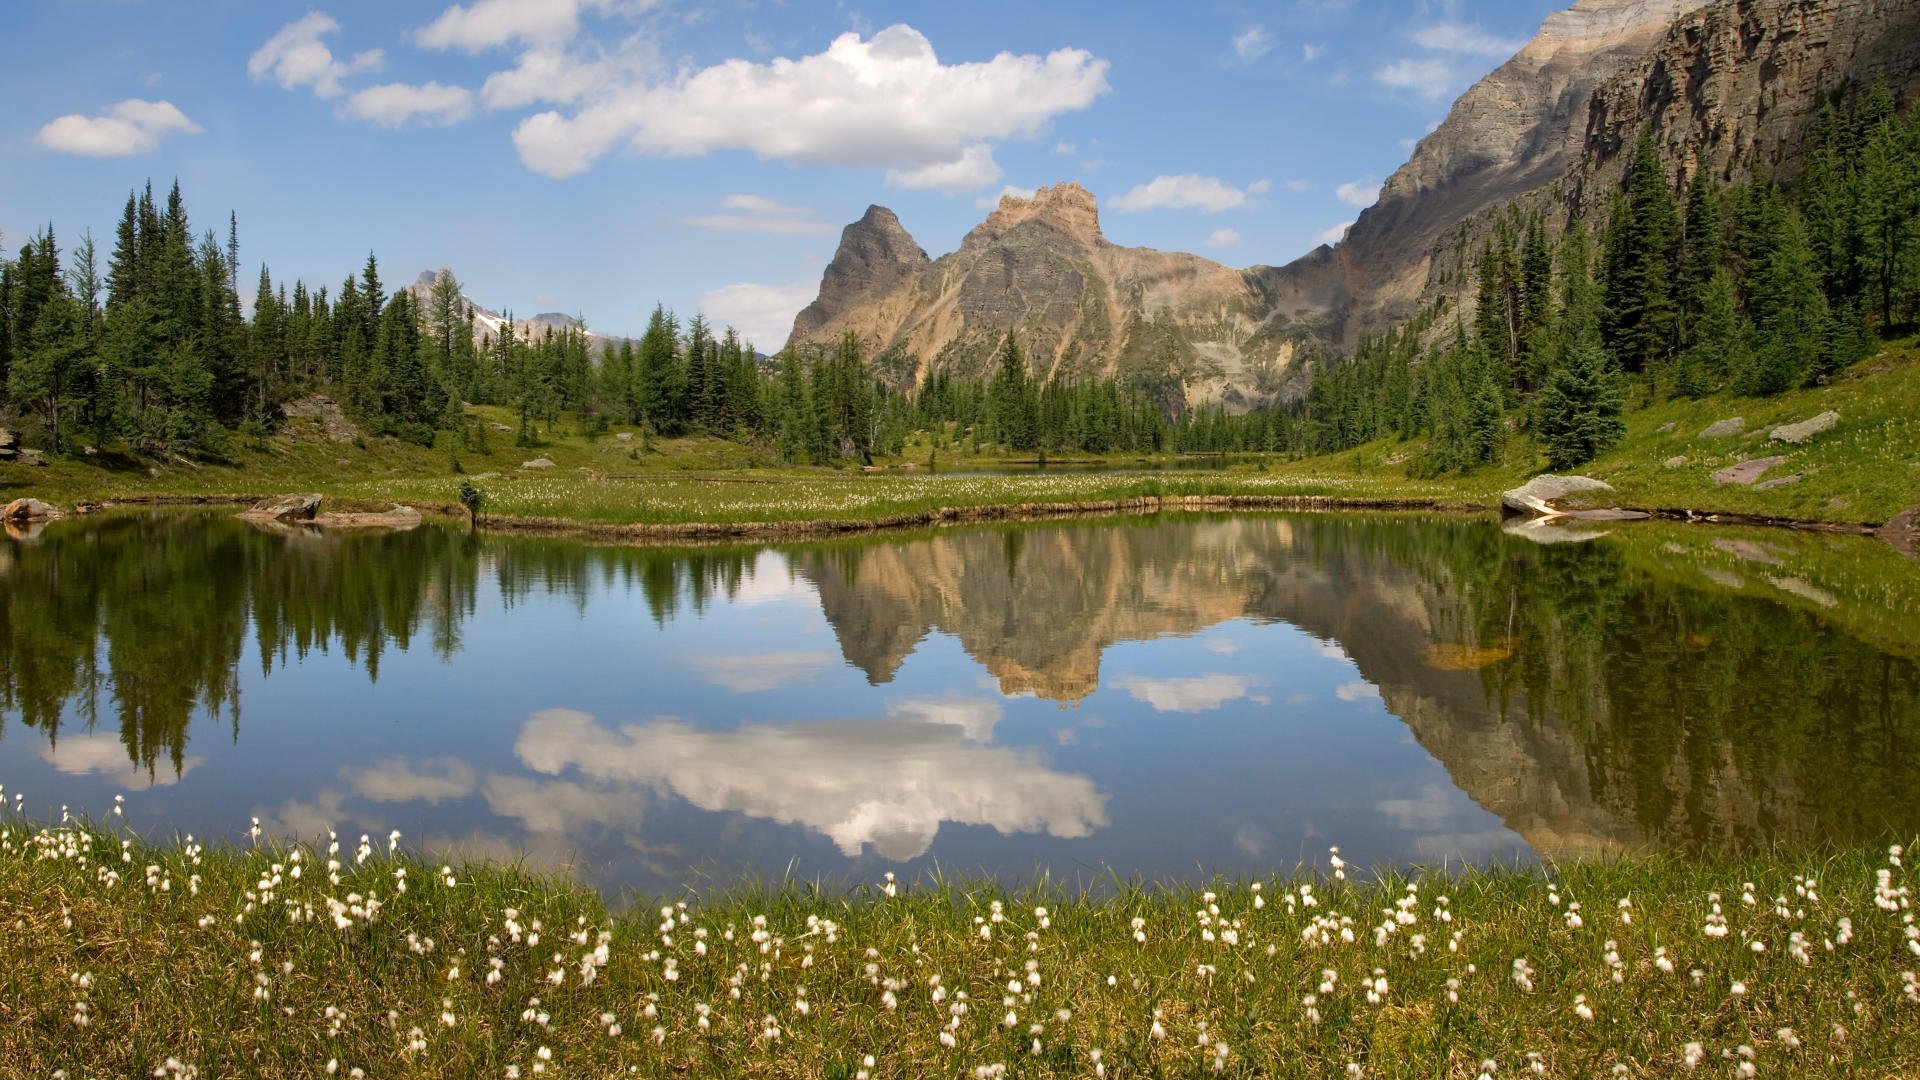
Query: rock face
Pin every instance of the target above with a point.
(1077, 304)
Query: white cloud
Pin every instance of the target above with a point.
(1299, 185)
(485, 24)
(1259, 187)
(988, 202)
(1200, 693)
(106, 756)
(296, 57)
(880, 102)
(766, 671)
(973, 717)
(889, 784)
(1252, 43)
(1332, 234)
(756, 214)
(974, 168)
(762, 313)
(1310, 53)
(1428, 78)
(397, 780)
(1065, 149)
(1205, 193)
(1459, 38)
(394, 105)
(554, 76)
(1358, 194)
(1222, 238)
(1357, 691)
(773, 581)
(131, 127)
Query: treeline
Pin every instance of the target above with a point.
(1753, 287)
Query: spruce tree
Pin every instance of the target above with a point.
(1643, 232)
(1579, 411)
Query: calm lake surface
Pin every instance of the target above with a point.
(1167, 697)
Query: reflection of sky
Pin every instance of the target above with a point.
(738, 740)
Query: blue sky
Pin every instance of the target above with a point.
(597, 156)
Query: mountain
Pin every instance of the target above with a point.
(1078, 303)
(488, 323)
(1731, 86)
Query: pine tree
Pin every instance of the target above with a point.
(1792, 313)
(1579, 411)
(1642, 241)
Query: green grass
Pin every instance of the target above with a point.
(1865, 470)
(253, 962)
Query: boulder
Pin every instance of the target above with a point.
(29, 510)
(285, 508)
(1777, 482)
(1805, 430)
(1679, 461)
(1666, 428)
(1720, 429)
(1537, 495)
(1903, 531)
(625, 436)
(538, 463)
(1746, 472)
(24, 456)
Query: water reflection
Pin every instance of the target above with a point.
(1240, 690)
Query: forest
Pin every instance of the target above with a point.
(1689, 287)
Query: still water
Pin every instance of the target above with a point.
(1168, 698)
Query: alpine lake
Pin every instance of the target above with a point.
(1165, 698)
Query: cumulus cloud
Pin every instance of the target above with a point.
(773, 580)
(1356, 691)
(431, 780)
(1428, 78)
(882, 102)
(1461, 39)
(295, 57)
(1222, 238)
(753, 213)
(106, 756)
(988, 202)
(973, 717)
(1361, 194)
(1332, 234)
(762, 313)
(395, 105)
(485, 24)
(1200, 693)
(131, 127)
(1188, 192)
(555, 76)
(889, 784)
(1252, 43)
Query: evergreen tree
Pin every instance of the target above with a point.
(1642, 241)
(1579, 411)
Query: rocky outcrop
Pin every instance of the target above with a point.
(1538, 495)
(284, 508)
(29, 510)
(1803, 432)
(1041, 269)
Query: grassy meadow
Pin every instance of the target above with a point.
(360, 958)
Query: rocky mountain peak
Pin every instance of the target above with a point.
(1066, 207)
(876, 256)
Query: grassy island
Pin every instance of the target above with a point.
(127, 958)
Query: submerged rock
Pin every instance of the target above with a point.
(285, 508)
(1805, 430)
(1538, 495)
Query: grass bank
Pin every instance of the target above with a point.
(124, 958)
(1863, 471)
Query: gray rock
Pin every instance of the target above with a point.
(625, 436)
(8, 440)
(1747, 471)
(1720, 429)
(285, 508)
(538, 463)
(35, 458)
(400, 517)
(29, 510)
(1666, 428)
(1777, 482)
(1538, 495)
(1678, 461)
(1805, 430)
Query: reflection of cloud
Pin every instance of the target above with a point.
(106, 756)
(773, 581)
(1330, 649)
(1223, 646)
(889, 783)
(768, 671)
(1197, 694)
(309, 820)
(557, 806)
(394, 780)
(974, 717)
(1431, 809)
(1253, 841)
(1356, 691)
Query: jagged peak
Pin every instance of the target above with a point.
(1596, 24)
(1066, 206)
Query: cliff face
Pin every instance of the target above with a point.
(1078, 304)
(1730, 85)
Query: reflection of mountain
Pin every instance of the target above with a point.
(1571, 694)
